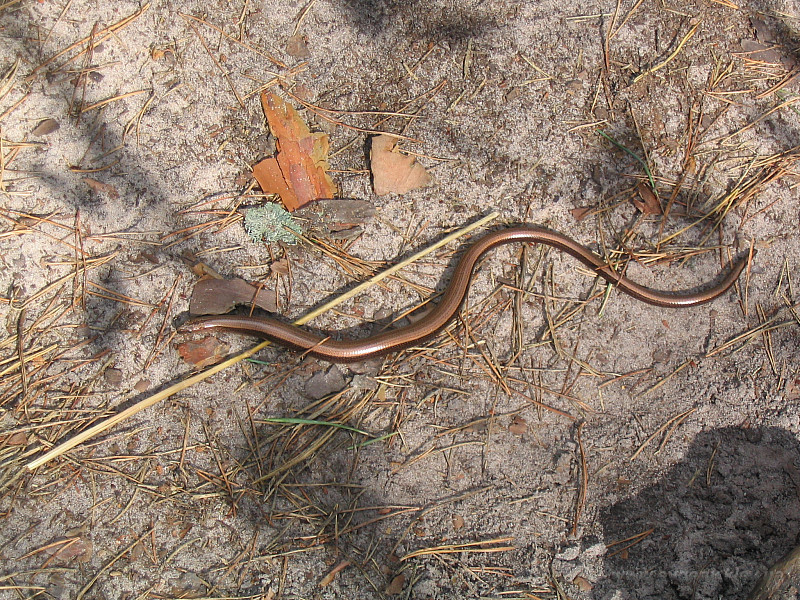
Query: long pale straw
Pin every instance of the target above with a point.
(190, 381)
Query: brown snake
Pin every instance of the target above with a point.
(450, 302)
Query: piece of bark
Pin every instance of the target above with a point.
(98, 187)
(338, 218)
(298, 171)
(219, 296)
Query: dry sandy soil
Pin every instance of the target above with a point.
(551, 444)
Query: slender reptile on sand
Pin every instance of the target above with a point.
(452, 299)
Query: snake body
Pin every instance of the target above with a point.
(452, 299)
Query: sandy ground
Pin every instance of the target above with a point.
(543, 447)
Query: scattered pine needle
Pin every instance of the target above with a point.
(89, 433)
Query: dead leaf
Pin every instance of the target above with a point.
(202, 353)
(160, 53)
(219, 296)
(396, 586)
(298, 172)
(763, 52)
(328, 579)
(280, 267)
(201, 269)
(581, 212)
(297, 47)
(46, 127)
(113, 377)
(793, 389)
(17, 439)
(647, 203)
(518, 426)
(582, 583)
(392, 172)
(763, 32)
(98, 187)
(72, 549)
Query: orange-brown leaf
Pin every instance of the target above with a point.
(203, 353)
(647, 203)
(392, 172)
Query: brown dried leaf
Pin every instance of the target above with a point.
(160, 53)
(396, 586)
(764, 33)
(328, 579)
(17, 439)
(647, 203)
(298, 172)
(582, 583)
(98, 187)
(113, 377)
(392, 172)
(518, 426)
(297, 46)
(201, 269)
(80, 551)
(581, 212)
(218, 296)
(46, 126)
(202, 353)
(280, 267)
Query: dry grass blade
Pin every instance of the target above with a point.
(763, 116)
(749, 335)
(79, 272)
(102, 103)
(672, 56)
(666, 378)
(96, 38)
(111, 563)
(178, 387)
(482, 547)
(232, 39)
(214, 59)
(674, 422)
(435, 450)
(7, 80)
(584, 483)
(629, 542)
